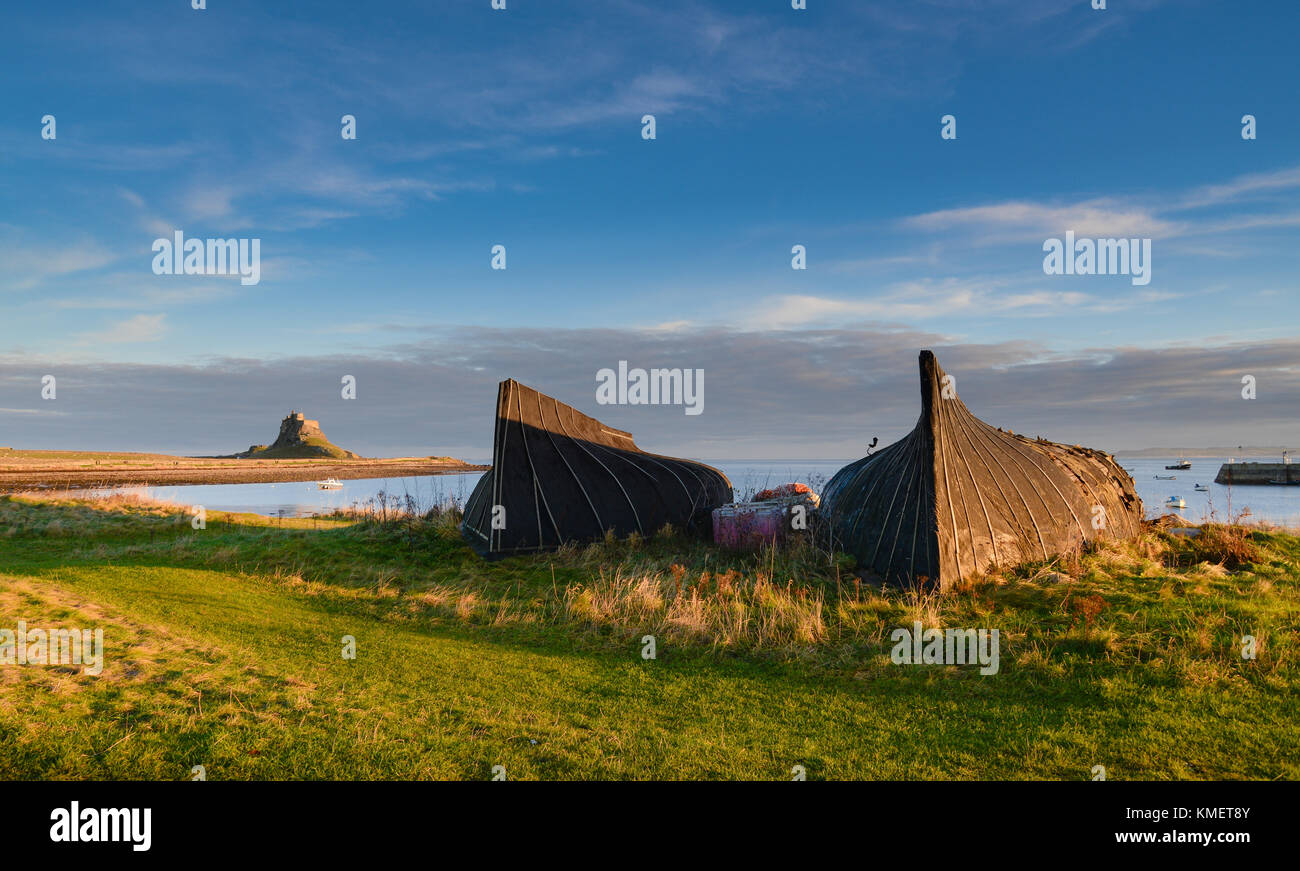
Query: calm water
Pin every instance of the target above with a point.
(1280, 505)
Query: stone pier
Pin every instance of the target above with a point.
(1256, 473)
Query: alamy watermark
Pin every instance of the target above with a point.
(683, 387)
(919, 646)
(23, 646)
(181, 256)
(133, 826)
(1099, 257)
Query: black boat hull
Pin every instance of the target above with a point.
(560, 476)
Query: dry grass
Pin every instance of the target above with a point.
(792, 597)
(725, 609)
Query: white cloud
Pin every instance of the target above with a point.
(915, 301)
(1243, 186)
(1114, 217)
(1023, 219)
(209, 202)
(141, 328)
(28, 265)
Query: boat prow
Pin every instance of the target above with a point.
(956, 496)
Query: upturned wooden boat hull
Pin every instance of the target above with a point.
(560, 476)
(957, 497)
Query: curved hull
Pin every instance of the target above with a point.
(957, 497)
(560, 476)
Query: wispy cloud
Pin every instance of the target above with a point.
(141, 328)
(1243, 187)
(1022, 219)
(915, 301)
(26, 263)
(1153, 217)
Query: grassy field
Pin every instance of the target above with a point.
(223, 648)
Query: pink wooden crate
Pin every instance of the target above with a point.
(747, 524)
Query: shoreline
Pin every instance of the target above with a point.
(84, 470)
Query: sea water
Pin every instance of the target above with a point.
(1264, 503)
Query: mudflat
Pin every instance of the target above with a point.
(22, 470)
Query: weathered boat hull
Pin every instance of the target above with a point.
(957, 497)
(560, 476)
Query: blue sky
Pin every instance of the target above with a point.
(775, 127)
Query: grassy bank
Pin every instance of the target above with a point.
(224, 649)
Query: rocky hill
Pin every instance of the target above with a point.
(299, 438)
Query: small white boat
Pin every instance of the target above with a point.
(330, 484)
(1166, 477)
(1202, 488)
(1175, 502)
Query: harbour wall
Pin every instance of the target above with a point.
(1257, 473)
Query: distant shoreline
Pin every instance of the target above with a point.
(1202, 453)
(80, 470)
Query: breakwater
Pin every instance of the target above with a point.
(1256, 473)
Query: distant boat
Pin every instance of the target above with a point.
(330, 484)
(1202, 488)
(1181, 465)
(1166, 477)
(1175, 502)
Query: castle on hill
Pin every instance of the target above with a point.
(299, 437)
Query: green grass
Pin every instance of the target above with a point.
(223, 649)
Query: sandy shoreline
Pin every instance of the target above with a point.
(26, 470)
